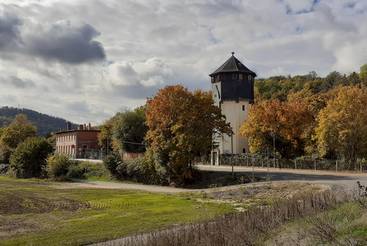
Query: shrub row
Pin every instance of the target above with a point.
(141, 169)
(60, 167)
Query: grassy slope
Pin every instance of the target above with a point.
(33, 213)
(344, 225)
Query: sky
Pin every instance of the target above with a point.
(85, 60)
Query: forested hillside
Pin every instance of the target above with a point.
(45, 123)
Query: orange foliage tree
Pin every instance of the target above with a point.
(181, 124)
(286, 121)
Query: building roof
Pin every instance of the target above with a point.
(78, 130)
(232, 65)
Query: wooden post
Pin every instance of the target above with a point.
(336, 165)
(253, 172)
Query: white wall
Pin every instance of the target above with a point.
(236, 117)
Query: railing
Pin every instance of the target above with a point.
(308, 163)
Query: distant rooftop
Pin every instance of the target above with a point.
(78, 130)
(232, 65)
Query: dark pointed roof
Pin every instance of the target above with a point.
(232, 65)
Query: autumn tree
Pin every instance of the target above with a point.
(19, 130)
(181, 125)
(342, 125)
(287, 122)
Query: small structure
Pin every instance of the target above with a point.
(81, 143)
(233, 92)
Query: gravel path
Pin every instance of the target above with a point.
(344, 179)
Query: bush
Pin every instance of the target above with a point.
(58, 166)
(143, 170)
(85, 169)
(111, 163)
(75, 172)
(29, 158)
(93, 170)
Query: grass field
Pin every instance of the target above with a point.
(33, 213)
(344, 225)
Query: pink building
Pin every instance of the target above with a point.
(79, 143)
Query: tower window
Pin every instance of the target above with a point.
(243, 107)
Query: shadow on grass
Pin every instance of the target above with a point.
(210, 179)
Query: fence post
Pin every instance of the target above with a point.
(360, 166)
(315, 164)
(336, 165)
(253, 172)
(295, 164)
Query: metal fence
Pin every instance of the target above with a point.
(309, 163)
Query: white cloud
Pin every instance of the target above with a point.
(152, 43)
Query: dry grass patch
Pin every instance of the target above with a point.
(262, 194)
(18, 202)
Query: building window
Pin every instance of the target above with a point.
(249, 78)
(235, 76)
(241, 76)
(243, 107)
(243, 150)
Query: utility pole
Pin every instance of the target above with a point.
(274, 148)
(232, 155)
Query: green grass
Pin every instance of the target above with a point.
(33, 213)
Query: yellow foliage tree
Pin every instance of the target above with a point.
(342, 125)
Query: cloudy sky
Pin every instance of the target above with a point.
(86, 59)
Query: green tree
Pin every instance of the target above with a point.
(129, 130)
(181, 125)
(29, 158)
(19, 130)
(105, 139)
(342, 125)
(363, 73)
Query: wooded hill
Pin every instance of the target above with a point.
(45, 123)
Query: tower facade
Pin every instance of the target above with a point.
(233, 92)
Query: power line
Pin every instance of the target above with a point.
(128, 142)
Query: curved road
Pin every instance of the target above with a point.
(346, 179)
(343, 179)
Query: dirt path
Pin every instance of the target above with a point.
(346, 180)
(118, 185)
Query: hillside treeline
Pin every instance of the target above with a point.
(45, 124)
